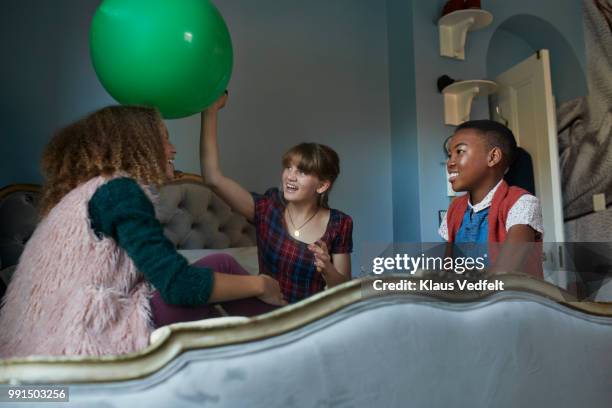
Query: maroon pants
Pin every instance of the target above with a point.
(164, 313)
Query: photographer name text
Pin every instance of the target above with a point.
(429, 285)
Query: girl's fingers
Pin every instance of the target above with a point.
(314, 248)
(324, 258)
(322, 245)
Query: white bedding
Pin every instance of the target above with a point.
(246, 256)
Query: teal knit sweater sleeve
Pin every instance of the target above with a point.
(120, 210)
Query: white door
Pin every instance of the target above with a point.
(525, 103)
(525, 100)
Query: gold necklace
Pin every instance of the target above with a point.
(296, 231)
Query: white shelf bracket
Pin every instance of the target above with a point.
(459, 106)
(453, 38)
(458, 98)
(454, 27)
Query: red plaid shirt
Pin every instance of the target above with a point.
(288, 260)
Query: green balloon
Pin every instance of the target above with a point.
(175, 55)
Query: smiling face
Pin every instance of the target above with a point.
(299, 186)
(468, 160)
(169, 153)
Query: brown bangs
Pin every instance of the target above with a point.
(304, 158)
(314, 158)
(317, 159)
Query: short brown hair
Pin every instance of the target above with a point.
(112, 139)
(317, 159)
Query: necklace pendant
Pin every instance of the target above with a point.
(296, 233)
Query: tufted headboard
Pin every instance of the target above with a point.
(192, 215)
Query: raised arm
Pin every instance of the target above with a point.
(230, 191)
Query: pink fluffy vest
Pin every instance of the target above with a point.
(74, 293)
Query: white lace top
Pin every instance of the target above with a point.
(526, 211)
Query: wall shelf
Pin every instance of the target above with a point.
(458, 99)
(454, 28)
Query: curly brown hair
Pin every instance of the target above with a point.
(110, 140)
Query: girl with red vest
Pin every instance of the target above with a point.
(479, 154)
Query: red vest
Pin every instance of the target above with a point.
(503, 200)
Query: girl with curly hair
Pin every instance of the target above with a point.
(83, 283)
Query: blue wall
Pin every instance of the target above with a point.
(522, 35)
(359, 75)
(506, 49)
(404, 142)
(304, 71)
(46, 79)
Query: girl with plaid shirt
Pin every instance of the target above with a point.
(301, 242)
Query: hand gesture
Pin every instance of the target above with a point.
(321, 254)
(271, 291)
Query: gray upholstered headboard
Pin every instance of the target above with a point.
(192, 215)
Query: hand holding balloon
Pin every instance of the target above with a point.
(173, 55)
(219, 103)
